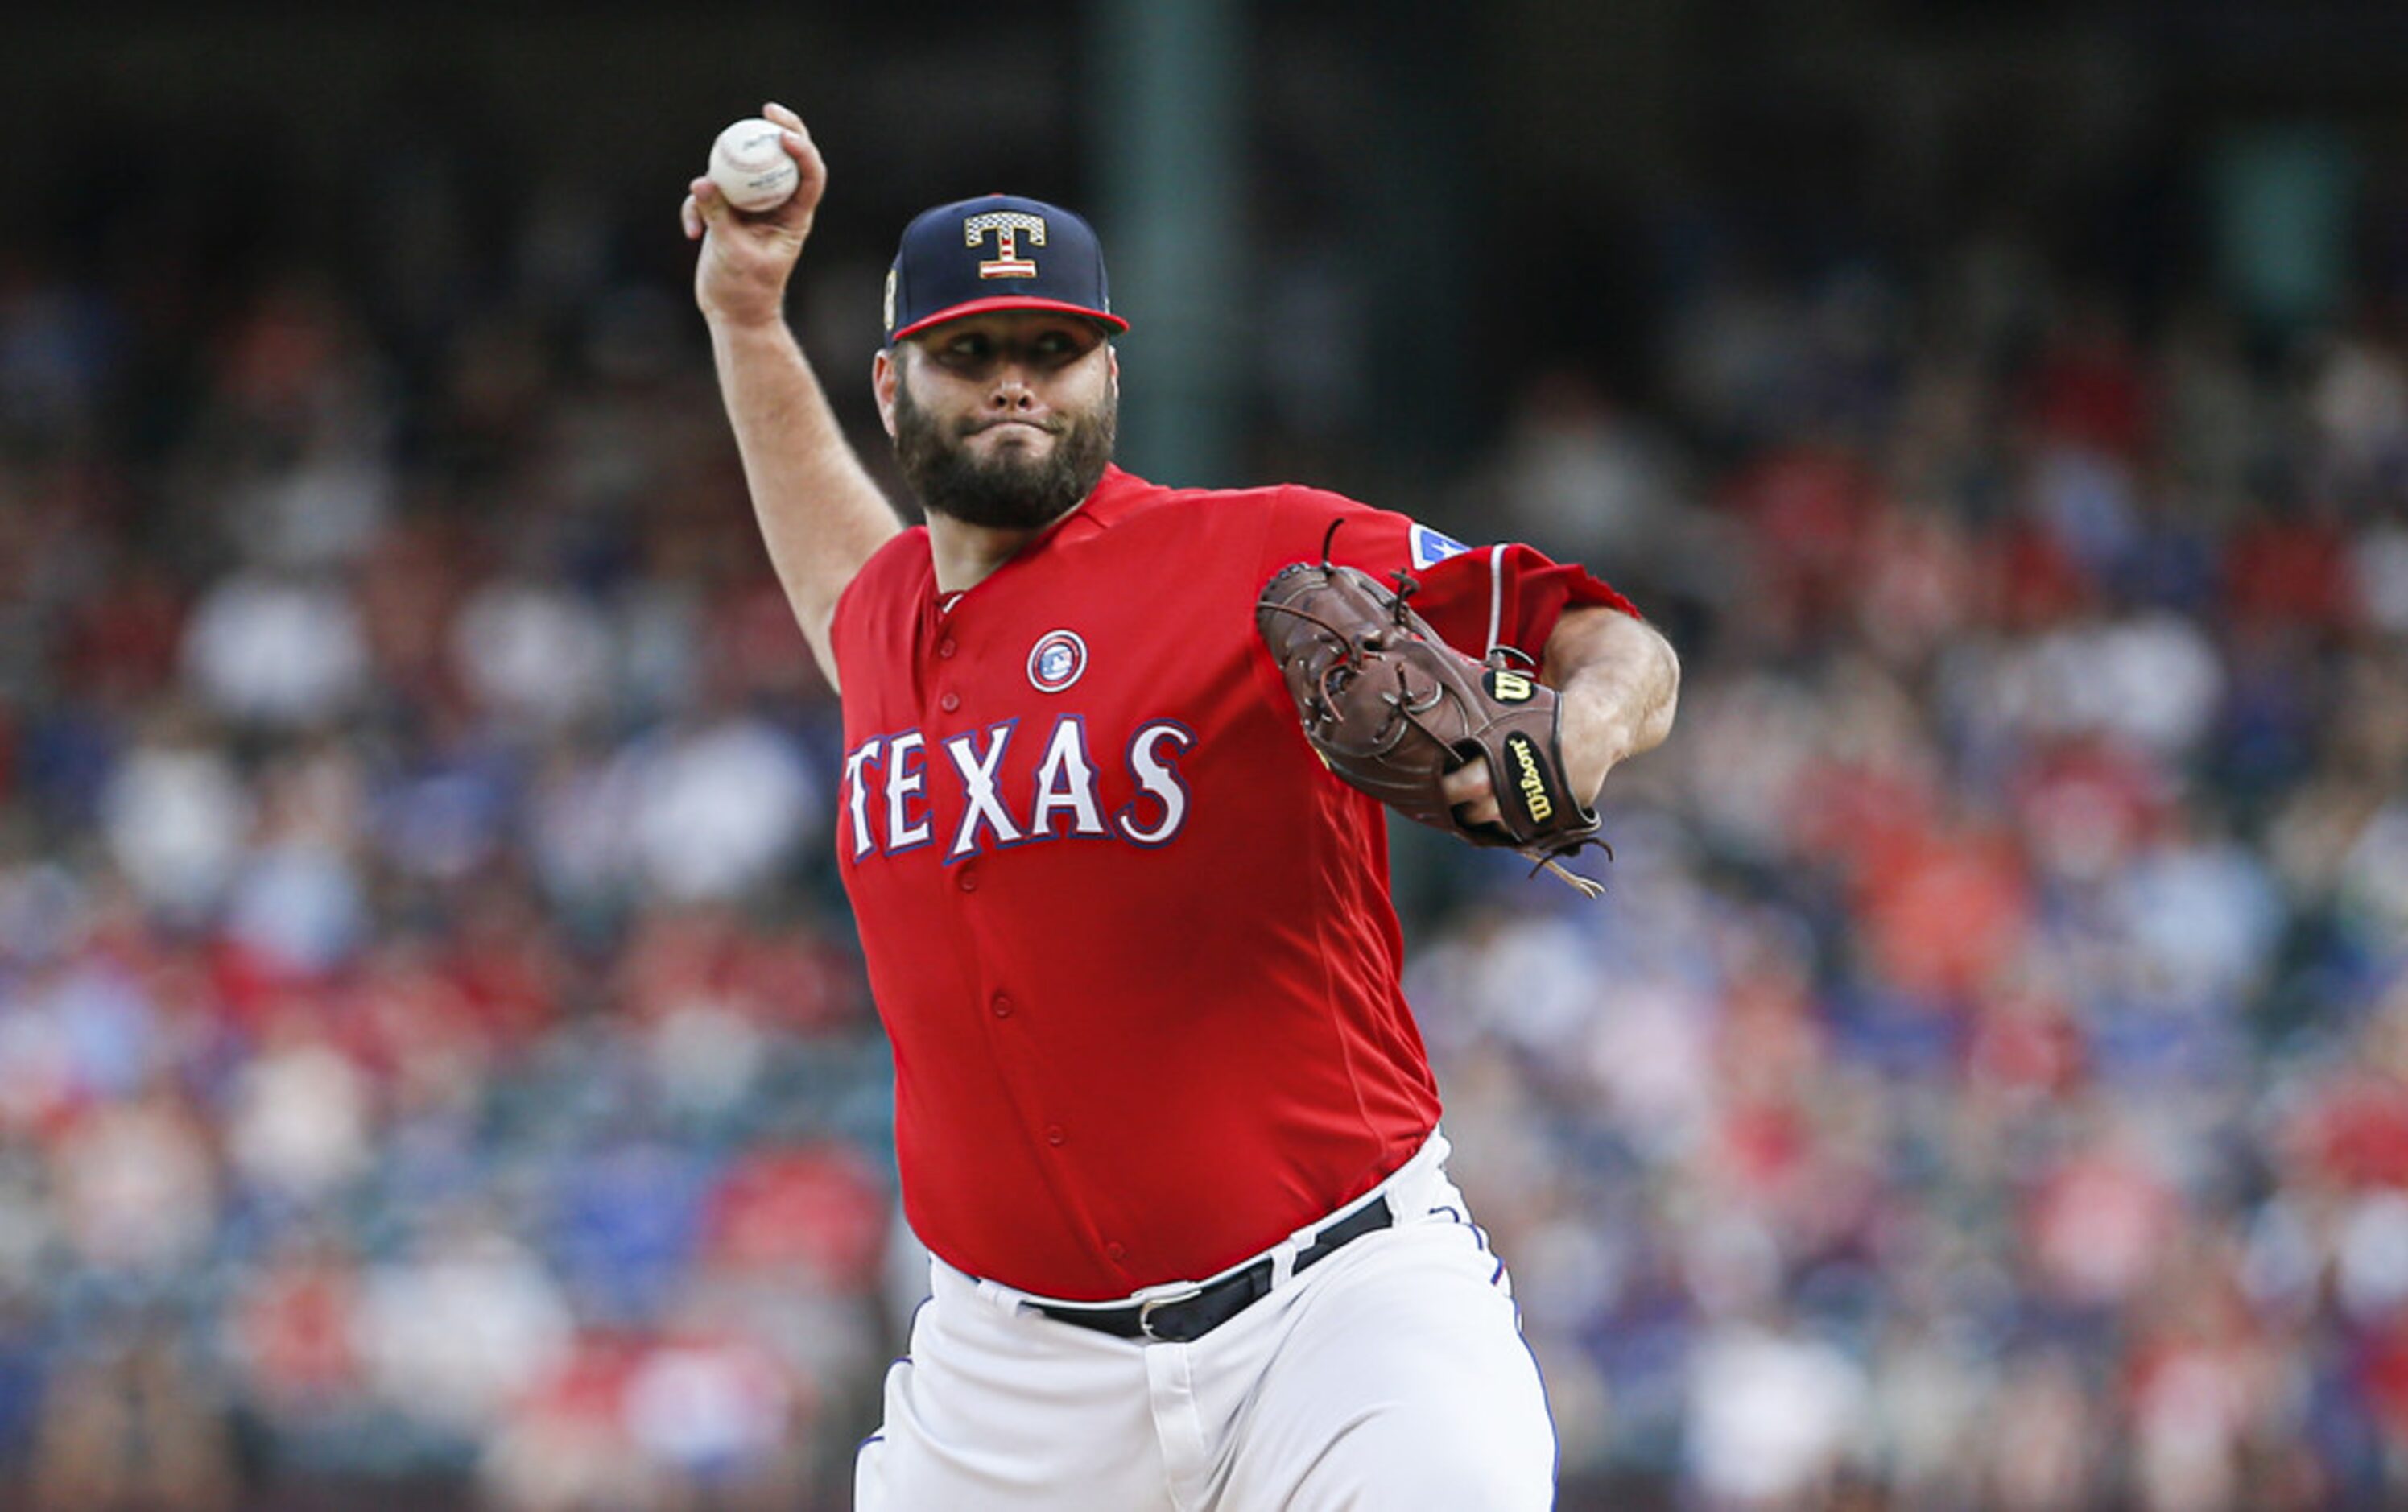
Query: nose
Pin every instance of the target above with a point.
(1011, 390)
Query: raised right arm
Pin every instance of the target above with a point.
(822, 515)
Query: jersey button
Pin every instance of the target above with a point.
(945, 647)
(1002, 1005)
(967, 881)
(1117, 1250)
(1053, 1134)
(950, 702)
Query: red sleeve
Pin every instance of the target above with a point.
(1464, 589)
(887, 574)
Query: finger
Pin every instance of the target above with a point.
(710, 206)
(1469, 790)
(690, 217)
(810, 168)
(798, 139)
(799, 146)
(1467, 783)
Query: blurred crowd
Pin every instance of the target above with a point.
(1988, 1084)
(432, 1051)
(435, 1067)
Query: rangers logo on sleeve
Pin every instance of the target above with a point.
(1430, 548)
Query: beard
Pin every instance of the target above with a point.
(1006, 489)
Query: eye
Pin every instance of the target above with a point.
(1062, 344)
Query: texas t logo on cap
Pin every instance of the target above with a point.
(977, 256)
(1004, 226)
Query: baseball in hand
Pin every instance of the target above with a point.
(750, 165)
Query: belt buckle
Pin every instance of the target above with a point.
(1145, 1310)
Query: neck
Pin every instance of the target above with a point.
(967, 554)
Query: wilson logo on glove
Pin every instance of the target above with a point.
(1508, 688)
(1529, 779)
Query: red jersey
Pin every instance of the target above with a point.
(1131, 940)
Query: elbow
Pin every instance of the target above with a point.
(1667, 701)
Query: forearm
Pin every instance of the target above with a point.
(1619, 680)
(821, 513)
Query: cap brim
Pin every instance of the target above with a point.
(983, 307)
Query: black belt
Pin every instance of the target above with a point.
(1184, 1316)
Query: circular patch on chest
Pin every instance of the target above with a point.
(1056, 660)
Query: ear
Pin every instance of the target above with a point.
(886, 372)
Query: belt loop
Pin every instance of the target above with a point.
(999, 1296)
(1284, 1256)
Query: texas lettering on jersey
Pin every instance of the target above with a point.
(968, 793)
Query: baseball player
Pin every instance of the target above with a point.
(1162, 1114)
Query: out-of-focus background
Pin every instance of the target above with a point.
(435, 1064)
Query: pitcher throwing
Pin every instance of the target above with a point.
(1162, 1114)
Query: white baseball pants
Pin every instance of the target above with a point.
(1390, 1376)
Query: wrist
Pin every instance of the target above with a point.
(750, 316)
(1591, 737)
(747, 321)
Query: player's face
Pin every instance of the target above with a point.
(1005, 420)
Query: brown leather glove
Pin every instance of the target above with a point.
(1393, 709)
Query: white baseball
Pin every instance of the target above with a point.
(750, 165)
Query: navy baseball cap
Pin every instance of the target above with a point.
(996, 253)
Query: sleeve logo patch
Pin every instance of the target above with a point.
(1508, 688)
(1430, 548)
